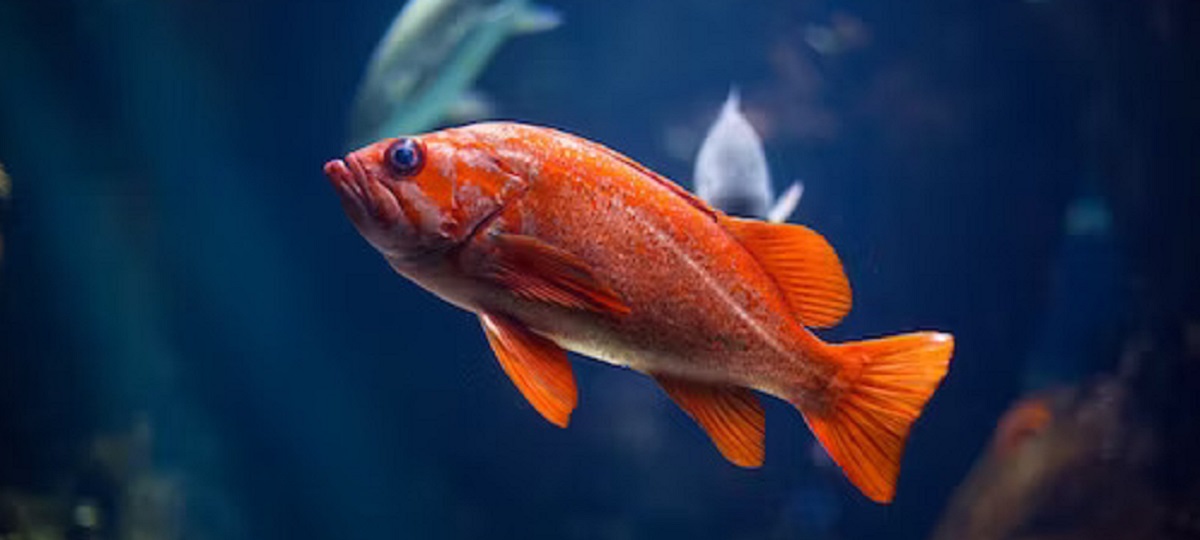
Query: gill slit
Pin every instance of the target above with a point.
(486, 222)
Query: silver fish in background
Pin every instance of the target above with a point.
(731, 169)
(422, 68)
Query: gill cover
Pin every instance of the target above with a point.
(444, 188)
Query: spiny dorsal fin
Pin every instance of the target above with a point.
(732, 416)
(535, 270)
(802, 263)
(674, 188)
(538, 366)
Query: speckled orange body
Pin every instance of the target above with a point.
(701, 306)
(558, 243)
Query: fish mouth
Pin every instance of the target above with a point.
(361, 192)
(344, 179)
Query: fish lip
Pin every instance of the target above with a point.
(367, 198)
(356, 168)
(343, 178)
(337, 171)
(349, 177)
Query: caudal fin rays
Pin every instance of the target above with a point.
(866, 425)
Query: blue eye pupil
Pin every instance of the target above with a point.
(405, 156)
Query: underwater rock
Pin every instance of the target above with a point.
(1111, 459)
(117, 491)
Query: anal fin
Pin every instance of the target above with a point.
(731, 416)
(537, 366)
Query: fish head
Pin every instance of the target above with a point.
(416, 198)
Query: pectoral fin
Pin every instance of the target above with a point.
(538, 366)
(732, 416)
(535, 270)
(802, 263)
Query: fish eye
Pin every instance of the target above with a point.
(406, 156)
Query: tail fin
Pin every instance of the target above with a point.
(867, 423)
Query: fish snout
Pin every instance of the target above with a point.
(369, 203)
(347, 177)
(348, 184)
(338, 173)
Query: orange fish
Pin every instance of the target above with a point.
(558, 243)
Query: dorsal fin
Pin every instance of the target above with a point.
(672, 186)
(731, 416)
(678, 190)
(802, 263)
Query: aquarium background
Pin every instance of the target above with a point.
(196, 343)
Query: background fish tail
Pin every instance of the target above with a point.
(785, 205)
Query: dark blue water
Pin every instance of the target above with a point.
(172, 253)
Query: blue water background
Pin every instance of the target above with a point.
(172, 249)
